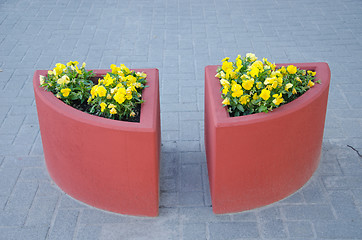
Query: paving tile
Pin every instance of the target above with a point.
(308, 212)
(31, 233)
(41, 211)
(8, 178)
(22, 196)
(300, 229)
(64, 225)
(233, 230)
(191, 178)
(193, 231)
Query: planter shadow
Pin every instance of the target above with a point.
(258, 159)
(109, 164)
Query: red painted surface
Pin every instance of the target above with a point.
(109, 164)
(258, 159)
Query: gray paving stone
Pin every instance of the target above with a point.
(338, 230)
(191, 179)
(273, 229)
(300, 229)
(233, 230)
(34, 174)
(41, 211)
(8, 178)
(201, 215)
(193, 231)
(24, 233)
(68, 202)
(191, 199)
(342, 182)
(344, 204)
(22, 196)
(313, 193)
(23, 161)
(133, 230)
(64, 225)
(14, 218)
(189, 130)
(308, 212)
(88, 232)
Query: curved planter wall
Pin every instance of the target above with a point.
(109, 164)
(258, 159)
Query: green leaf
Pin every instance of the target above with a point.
(263, 109)
(240, 108)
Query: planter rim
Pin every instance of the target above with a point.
(149, 105)
(224, 120)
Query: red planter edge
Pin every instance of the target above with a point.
(112, 165)
(258, 159)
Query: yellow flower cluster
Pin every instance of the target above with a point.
(249, 85)
(117, 93)
(69, 82)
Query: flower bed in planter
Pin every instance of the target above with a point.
(109, 164)
(258, 159)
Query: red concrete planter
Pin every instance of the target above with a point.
(258, 159)
(109, 164)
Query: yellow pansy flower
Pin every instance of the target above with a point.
(259, 85)
(251, 57)
(269, 80)
(63, 80)
(113, 111)
(65, 92)
(132, 114)
(239, 64)
(283, 70)
(108, 80)
(70, 63)
(94, 91)
(265, 94)
(292, 69)
(225, 90)
(278, 99)
(254, 72)
(141, 74)
(248, 84)
(125, 69)
(236, 89)
(41, 79)
(226, 101)
(287, 86)
(227, 66)
(103, 106)
(310, 83)
(57, 71)
(111, 106)
(101, 91)
(311, 73)
(244, 99)
(225, 59)
(224, 82)
(294, 91)
(120, 95)
(274, 84)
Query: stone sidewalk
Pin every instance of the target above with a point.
(179, 38)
